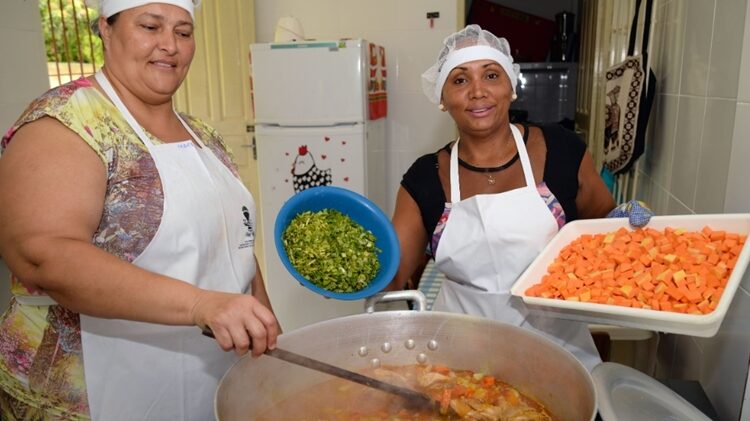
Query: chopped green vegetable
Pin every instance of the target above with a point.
(331, 250)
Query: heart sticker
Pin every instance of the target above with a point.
(324, 156)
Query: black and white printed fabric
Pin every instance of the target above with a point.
(629, 88)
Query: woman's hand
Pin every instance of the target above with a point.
(637, 212)
(238, 321)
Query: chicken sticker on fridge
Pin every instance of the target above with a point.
(306, 174)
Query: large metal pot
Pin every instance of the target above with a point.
(533, 364)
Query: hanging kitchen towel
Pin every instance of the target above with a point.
(630, 87)
(377, 96)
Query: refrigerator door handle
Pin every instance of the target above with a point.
(251, 129)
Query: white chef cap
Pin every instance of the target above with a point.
(469, 44)
(108, 8)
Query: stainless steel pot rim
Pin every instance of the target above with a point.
(399, 326)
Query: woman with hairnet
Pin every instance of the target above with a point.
(487, 203)
(126, 228)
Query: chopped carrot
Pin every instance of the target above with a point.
(488, 381)
(669, 270)
(445, 401)
(442, 369)
(675, 293)
(717, 235)
(655, 304)
(459, 390)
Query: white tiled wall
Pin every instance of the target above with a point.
(697, 47)
(22, 77)
(716, 147)
(690, 112)
(415, 126)
(737, 200)
(697, 162)
(724, 65)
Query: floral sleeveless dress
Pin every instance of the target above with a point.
(41, 366)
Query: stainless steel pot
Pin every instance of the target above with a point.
(531, 363)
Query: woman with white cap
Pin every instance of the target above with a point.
(487, 203)
(127, 231)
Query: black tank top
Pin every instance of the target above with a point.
(565, 150)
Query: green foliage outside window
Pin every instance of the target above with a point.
(69, 45)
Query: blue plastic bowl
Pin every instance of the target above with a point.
(363, 212)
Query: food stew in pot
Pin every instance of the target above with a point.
(461, 394)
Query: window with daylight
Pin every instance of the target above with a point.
(73, 50)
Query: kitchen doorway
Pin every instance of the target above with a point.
(544, 40)
(564, 77)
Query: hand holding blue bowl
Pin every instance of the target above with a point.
(362, 211)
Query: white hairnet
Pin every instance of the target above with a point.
(469, 44)
(107, 8)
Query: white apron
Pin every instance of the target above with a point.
(488, 241)
(139, 371)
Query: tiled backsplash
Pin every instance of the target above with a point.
(696, 162)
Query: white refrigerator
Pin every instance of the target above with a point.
(319, 120)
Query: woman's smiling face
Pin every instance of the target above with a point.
(477, 95)
(149, 49)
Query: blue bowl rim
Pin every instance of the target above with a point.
(389, 255)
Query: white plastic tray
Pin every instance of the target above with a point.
(705, 325)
